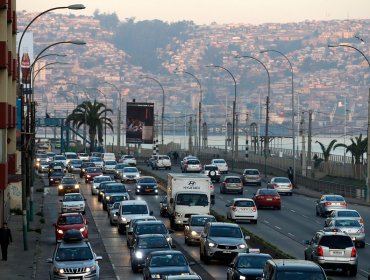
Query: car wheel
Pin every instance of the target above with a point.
(241, 192)
(317, 212)
(134, 268)
(353, 271)
(201, 254)
(206, 259)
(83, 212)
(254, 222)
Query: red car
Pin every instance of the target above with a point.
(92, 172)
(267, 198)
(69, 221)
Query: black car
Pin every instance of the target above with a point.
(56, 166)
(85, 165)
(146, 184)
(102, 189)
(143, 246)
(118, 170)
(247, 266)
(162, 263)
(113, 188)
(68, 185)
(163, 207)
(55, 177)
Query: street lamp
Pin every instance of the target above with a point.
(368, 121)
(199, 106)
(119, 114)
(45, 66)
(266, 146)
(151, 78)
(293, 112)
(234, 109)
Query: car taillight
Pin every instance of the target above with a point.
(233, 208)
(361, 230)
(254, 209)
(343, 204)
(334, 230)
(361, 221)
(259, 197)
(320, 251)
(327, 203)
(241, 184)
(353, 253)
(290, 186)
(276, 197)
(275, 185)
(225, 183)
(212, 186)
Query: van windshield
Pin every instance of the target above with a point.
(336, 241)
(192, 199)
(301, 275)
(134, 209)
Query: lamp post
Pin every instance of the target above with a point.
(162, 118)
(45, 66)
(266, 146)
(119, 114)
(368, 120)
(293, 111)
(234, 113)
(199, 106)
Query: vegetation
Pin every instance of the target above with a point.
(326, 151)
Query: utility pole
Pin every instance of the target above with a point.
(191, 135)
(309, 156)
(246, 138)
(236, 148)
(266, 144)
(119, 128)
(303, 156)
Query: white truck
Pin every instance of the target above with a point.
(187, 194)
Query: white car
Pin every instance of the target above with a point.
(130, 174)
(242, 209)
(161, 161)
(129, 209)
(109, 166)
(221, 164)
(96, 183)
(281, 184)
(73, 202)
(129, 159)
(60, 158)
(98, 161)
(83, 156)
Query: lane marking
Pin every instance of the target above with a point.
(266, 222)
(278, 227)
(305, 216)
(290, 234)
(291, 210)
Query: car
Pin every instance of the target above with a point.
(183, 277)
(114, 188)
(112, 213)
(69, 156)
(168, 262)
(74, 165)
(148, 227)
(221, 164)
(129, 209)
(352, 227)
(128, 159)
(96, 183)
(332, 250)
(267, 198)
(60, 158)
(212, 172)
(83, 156)
(50, 156)
(118, 170)
(68, 184)
(328, 203)
(242, 209)
(40, 157)
(146, 184)
(149, 161)
(74, 258)
(108, 156)
(109, 166)
(56, 166)
(161, 161)
(251, 177)
(163, 206)
(130, 174)
(282, 184)
(276, 269)
(195, 227)
(58, 145)
(130, 226)
(84, 166)
(96, 154)
(231, 184)
(91, 173)
(344, 213)
(68, 221)
(73, 202)
(98, 161)
(222, 241)
(115, 197)
(55, 177)
(247, 266)
(101, 189)
(191, 165)
(182, 163)
(43, 166)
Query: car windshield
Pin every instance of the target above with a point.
(88, 164)
(116, 198)
(130, 170)
(115, 189)
(134, 209)
(151, 228)
(334, 198)
(121, 166)
(251, 172)
(201, 221)
(232, 180)
(164, 157)
(225, 231)
(219, 161)
(69, 181)
(147, 180)
(128, 157)
(252, 262)
(110, 162)
(268, 192)
(71, 156)
(57, 173)
(336, 241)
(347, 223)
(116, 205)
(244, 203)
(96, 160)
(101, 179)
(301, 275)
(70, 220)
(44, 162)
(74, 254)
(348, 214)
(153, 242)
(281, 180)
(193, 161)
(59, 158)
(168, 260)
(93, 170)
(73, 197)
(192, 199)
(76, 161)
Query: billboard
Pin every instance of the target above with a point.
(25, 57)
(139, 123)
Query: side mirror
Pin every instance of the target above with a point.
(60, 200)
(231, 265)
(151, 213)
(171, 200)
(117, 213)
(247, 237)
(49, 260)
(130, 233)
(98, 258)
(84, 199)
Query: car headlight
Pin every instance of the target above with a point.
(90, 269)
(107, 197)
(193, 233)
(241, 277)
(242, 246)
(124, 175)
(88, 176)
(123, 219)
(155, 276)
(137, 175)
(138, 186)
(185, 273)
(58, 270)
(178, 214)
(83, 170)
(211, 244)
(51, 179)
(82, 229)
(77, 186)
(60, 231)
(60, 186)
(168, 239)
(139, 255)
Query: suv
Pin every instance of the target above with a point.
(129, 159)
(191, 165)
(68, 184)
(74, 259)
(332, 250)
(221, 164)
(292, 269)
(220, 240)
(161, 161)
(212, 172)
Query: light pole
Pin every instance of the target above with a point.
(43, 67)
(162, 118)
(293, 107)
(266, 146)
(119, 114)
(199, 106)
(234, 112)
(368, 121)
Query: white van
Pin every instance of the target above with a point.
(108, 156)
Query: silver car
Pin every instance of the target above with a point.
(231, 184)
(221, 240)
(112, 213)
(352, 227)
(74, 260)
(130, 174)
(109, 166)
(344, 213)
(96, 183)
(281, 184)
(328, 203)
(195, 227)
(251, 177)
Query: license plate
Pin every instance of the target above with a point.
(244, 209)
(337, 253)
(268, 198)
(147, 190)
(74, 278)
(226, 251)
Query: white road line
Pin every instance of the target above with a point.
(367, 244)
(118, 278)
(291, 210)
(305, 216)
(290, 234)
(266, 222)
(278, 227)
(364, 271)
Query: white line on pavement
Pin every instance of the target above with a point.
(278, 227)
(266, 222)
(290, 234)
(291, 210)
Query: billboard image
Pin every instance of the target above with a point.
(140, 123)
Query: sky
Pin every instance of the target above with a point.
(219, 11)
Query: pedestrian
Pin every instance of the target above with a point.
(5, 239)
(175, 156)
(290, 174)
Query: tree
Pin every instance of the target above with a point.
(326, 153)
(94, 115)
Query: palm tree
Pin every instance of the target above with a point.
(94, 114)
(326, 153)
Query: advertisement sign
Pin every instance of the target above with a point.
(25, 57)
(140, 123)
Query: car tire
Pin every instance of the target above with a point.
(278, 207)
(317, 213)
(83, 212)
(353, 271)
(254, 222)
(134, 268)
(241, 192)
